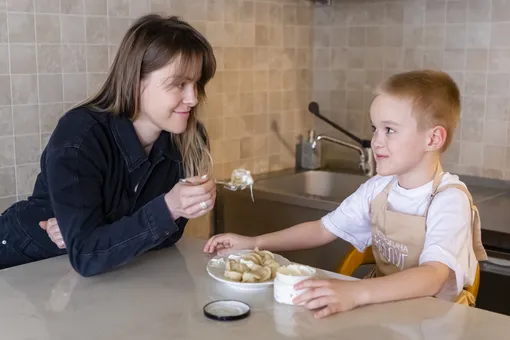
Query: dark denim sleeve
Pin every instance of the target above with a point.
(75, 183)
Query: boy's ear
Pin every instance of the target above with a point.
(437, 138)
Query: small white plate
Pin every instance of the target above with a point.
(216, 269)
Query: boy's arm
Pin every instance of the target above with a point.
(334, 296)
(301, 236)
(425, 280)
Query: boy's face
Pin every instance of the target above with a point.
(398, 145)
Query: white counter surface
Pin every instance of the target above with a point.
(160, 296)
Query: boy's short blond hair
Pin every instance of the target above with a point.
(435, 97)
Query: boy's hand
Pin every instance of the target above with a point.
(223, 243)
(330, 296)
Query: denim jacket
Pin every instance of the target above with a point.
(106, 193)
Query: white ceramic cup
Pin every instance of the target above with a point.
(287, 277)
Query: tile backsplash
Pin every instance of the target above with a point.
(358, 43)
(274, 56)
(54, 53)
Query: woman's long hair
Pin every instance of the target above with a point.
(151, 43)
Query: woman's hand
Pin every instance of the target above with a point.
(193, 199)
(53, 230)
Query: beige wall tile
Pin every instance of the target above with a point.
(8, 180)
(97, 58)
(5, 90)
(4, 59)
(28, 149)
(454, 59)
(3, 28)
(98, 7)
(23, 58)
(394, 13)
(495, 132)
(47, 28)
(475, 84)
(49, 59)
(195, 10)
(73, 29)
(97, 30)
(477, 59)
(456, 36)
(50, 88)
(498, 37)
(500, 10)
(75, 87)
(117, 27)
(72, 6)
(6, 125)
(6, 151)
(138, 8)
(26, 175)
(118, 8)
(47, 6)
(471, 154)
(24, 89)
(26, 119)
(6, 202)
(21, 27)
(49, 115)
(20, 5)
(498, 108)
(479, 10)
(456, 11)
(498, 84)
(494, 157)
(435, 12)
(478, 35)
(434, 35)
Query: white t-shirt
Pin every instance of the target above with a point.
(448, 237)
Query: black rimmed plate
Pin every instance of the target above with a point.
(226, 310)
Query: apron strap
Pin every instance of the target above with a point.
(481, 254)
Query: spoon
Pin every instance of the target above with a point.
(239, 180)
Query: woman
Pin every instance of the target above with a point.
(110, 172)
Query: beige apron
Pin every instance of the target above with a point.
(398, 238)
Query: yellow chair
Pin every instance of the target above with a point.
(354, 259)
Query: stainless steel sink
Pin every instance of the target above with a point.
(314, 184)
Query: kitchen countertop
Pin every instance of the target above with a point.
(160, 296)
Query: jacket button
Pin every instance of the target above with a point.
(166, 233)
(4, 242)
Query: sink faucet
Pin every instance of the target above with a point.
(366, 156)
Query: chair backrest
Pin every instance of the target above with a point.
(354, 259)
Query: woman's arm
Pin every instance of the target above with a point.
(75, 185)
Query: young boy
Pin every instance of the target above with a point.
(423, 228)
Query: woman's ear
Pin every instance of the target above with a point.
(436, 138)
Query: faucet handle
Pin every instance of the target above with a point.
(311, 136)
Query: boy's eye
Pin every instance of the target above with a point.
(389, 130)
(373, 128)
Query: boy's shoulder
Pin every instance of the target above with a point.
(451, 182)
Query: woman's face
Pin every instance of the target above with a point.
(167, 97)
